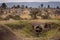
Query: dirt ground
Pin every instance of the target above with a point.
(7, 34)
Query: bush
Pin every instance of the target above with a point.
(16, 17)
(1, 18)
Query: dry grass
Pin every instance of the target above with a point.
(27, 35)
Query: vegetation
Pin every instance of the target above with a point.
(45, 16)
(41, 5)
(34, 13)
(4, 5)
(1, 18)
(57, 7)
(18, 6)
(48, 6)
(16, 17)
(24, 28)
(22, 6)
(48, 12)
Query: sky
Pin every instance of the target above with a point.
(1, 1)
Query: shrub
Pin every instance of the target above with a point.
(16, 17)
(1, 18)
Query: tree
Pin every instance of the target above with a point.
(48, 6)
(22, 6)
(38, 6)
(26, 6)
(18, 6)
(30, 8)
(4, 5)
(57, 7)
(34, 13)
(13, 6)
(41, 5)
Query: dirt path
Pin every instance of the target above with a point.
(7, 34)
